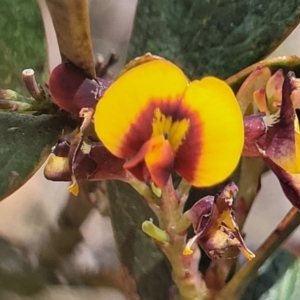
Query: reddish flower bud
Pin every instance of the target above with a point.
(71, 90)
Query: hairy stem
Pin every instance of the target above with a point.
(185, 267)
(168, 208)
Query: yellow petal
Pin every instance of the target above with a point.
(290, 160)
(218, 139)
(124, 116)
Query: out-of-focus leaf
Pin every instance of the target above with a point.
(26, 142)
(217, 37)
(277, 279)
(71, 23)
(21, 43)
(139, 255)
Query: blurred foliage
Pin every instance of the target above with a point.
(277, 279)
(216, 37)
(21, 43)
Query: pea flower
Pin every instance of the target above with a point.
(158, 121)
(273, 132)
(71, 90)
(214, 225)
(282, 141)
(279, 143)
(276, 136)
(75, 158)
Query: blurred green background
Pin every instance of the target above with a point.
(22, 43)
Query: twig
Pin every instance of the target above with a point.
(33, 88)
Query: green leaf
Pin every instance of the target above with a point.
(216, 37)
(26, 142)
(21, 43)
(139, 255)
(278, 279)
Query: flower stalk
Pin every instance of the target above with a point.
(185, 268)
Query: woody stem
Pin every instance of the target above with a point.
(247, 273)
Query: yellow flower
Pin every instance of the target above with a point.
(158, 121)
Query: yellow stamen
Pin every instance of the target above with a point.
(176, 131)
(188, 247)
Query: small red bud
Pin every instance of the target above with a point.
(71, 90)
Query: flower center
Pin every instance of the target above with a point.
(174, 132)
